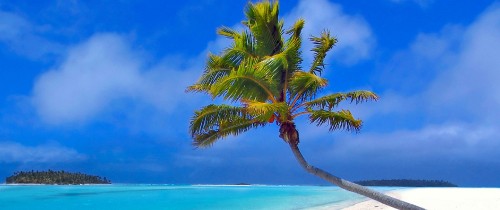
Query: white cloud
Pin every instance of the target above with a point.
(355, 38)
(449, 119)
(452, 112)
(11, 152)
(25, 38)
(101, 72)
(410, 70)
(105, 70)
(469, 84)
(450, 75)
(12, 25)
(447, 141)
(92, 74)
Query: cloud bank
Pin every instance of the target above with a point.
(11, 152)
(24, 37)
(454, 115)
(98, 74)
(355, 38)
(468, 87)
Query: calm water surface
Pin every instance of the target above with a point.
(171, 197)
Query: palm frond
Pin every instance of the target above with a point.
(274, 65)
(264, 111)
(228, 32)
(305, 85)
(215, 122)
(294, 44)
(282, 65)
(293, 54)
(262, 20)
(235, 55)
(217, 67)
(246, 83)
(198, 88)
(216, 62)
(243, 47)
(296, 29)
(341, 120)
(234, 128)
(322, 45)
(210, 117)
(331, 101)
(361, 96)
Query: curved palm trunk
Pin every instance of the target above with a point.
(382, 198)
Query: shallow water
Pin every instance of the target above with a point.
(171, 197)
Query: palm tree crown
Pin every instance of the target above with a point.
(262, 73)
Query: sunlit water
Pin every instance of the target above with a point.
(172, 197)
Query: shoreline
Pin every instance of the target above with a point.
(37, 184)
(439, 198)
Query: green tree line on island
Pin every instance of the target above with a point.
(406, 183)
(54, 177)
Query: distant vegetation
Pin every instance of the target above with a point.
(406, 183)
(54, 177)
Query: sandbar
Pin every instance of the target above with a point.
(440, 198)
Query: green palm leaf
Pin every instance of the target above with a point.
(214, 122)
(293, 54)
(274, 65)
(217, 68)
(293, 46)
(236, 127)
(246, 83)
(210, 117)
(322, 45)
(296, 29)
(361, 96)
(341, 120)
(304, 86)
(228, 32)
(262, 20)
(264, 111)
(331, 101)
(243, 47)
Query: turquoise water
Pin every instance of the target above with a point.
(171, 197)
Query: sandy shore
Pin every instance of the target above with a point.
(441, 198)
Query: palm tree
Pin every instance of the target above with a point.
(261, 75)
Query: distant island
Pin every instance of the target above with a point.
(406, 183)
(54, 177)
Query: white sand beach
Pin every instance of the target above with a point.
(441, 198)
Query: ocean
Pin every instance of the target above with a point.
(121, 196)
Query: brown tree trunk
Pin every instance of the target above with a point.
(380, 197)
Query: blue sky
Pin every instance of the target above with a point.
(98, 87)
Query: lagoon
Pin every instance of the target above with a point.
(135, 196)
